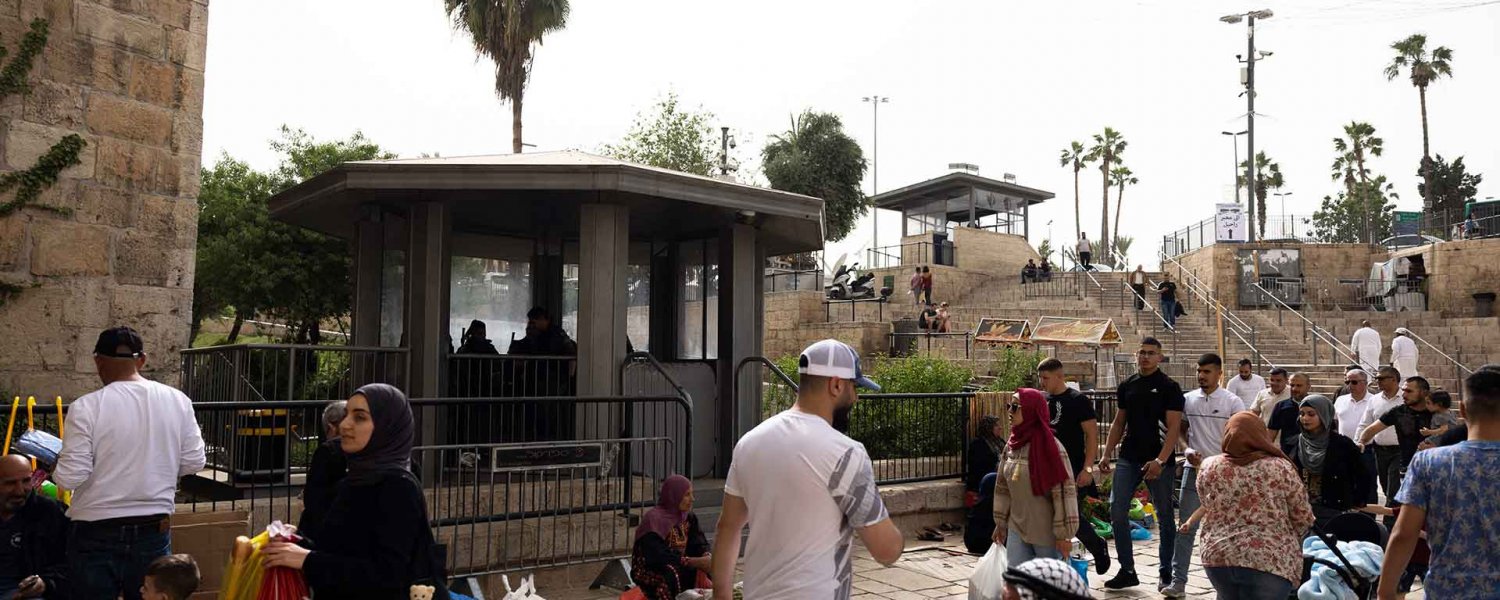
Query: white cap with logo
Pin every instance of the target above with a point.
(832, 358)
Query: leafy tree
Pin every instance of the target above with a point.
(1121, 176)
(1268, 177)
(1114, 261)
(816, 158)
(671, 138)
(1106, 149)
(1078, 158)
(1452, 186)
(506, 31)
(1422, 68)
(1364, 216)
(1353, 152)
(259, 266)
(1045, 249)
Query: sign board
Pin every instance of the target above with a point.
(1230, 224)
(526, 457)
(1003, 331)
(1407, 223)
(1070, 330)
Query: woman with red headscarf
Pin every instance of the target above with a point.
(670, 553)
(1036, 499)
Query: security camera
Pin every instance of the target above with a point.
(733, 144)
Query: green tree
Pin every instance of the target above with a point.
(1045, 249)
(1121, 176)
(1268, 177)
(1078, 158)
(259, 266)
(816, 158)
(506, 32)
(1353, 153)
(1422, 68)
(1106, 150)
(1363, 216)
(670, 137)
(1452, 187)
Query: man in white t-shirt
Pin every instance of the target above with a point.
(1265, 402)
(805, 489)
(1205, 412)
(1366, 344)
(1350, 411)
(1085, 251)
(1387, 448)
(1247, 384)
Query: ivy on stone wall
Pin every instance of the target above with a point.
(30, 183)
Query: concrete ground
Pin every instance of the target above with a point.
(942, 570)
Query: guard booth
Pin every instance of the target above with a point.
(941, 215)
(624, 257)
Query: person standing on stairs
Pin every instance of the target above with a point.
(916, 289)
(1387, 447)
(1169, 308)
(1366, 344)
(1138, 284)
(1247, 385)
(1269, 397)
(1284, 426)
(1206, 412)
(1404, 353)
(1085, 251)
(1350, 409)
(927, 284)
(1076, 425)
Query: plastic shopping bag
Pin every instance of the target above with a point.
(42, 446)
(525, 591)
(987, 582)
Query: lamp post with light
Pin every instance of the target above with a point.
(1249, 61)
(1236, 138)
(875, 102)
(1282, 197)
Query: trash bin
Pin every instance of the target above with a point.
(1484, 304)
(904, 343)
(259, 451)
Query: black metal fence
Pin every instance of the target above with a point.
(783, 280)
(1052, 285)
(250, 372)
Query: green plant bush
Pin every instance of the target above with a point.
(919, 375)
(1015, 368)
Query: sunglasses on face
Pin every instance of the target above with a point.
(1353, 382)
(1013, 407)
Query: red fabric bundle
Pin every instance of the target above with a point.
(281, 583)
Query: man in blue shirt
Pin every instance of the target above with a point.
(1450, 489)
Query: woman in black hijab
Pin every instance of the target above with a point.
(375, 542)
(984, 456)
(1328, 463)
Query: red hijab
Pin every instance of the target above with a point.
(668, 512)
(1047, 467)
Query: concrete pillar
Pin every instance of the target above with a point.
(547, 277)
(604, 256)
(427, 307)
(741, 281)
(368, 241)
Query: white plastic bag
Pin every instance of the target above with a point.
(987, 582)
(526, 591)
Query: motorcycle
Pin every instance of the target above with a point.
(850, 284)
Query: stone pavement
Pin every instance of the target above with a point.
(941, 570)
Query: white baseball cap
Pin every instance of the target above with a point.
(832, 358)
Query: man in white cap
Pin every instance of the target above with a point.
(806, 489)
(1404, 353)
(1366, 345)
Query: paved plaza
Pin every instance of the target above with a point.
(932, 570)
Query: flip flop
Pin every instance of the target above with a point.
(928, 534)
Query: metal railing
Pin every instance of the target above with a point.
(1312, 333)
(1460, 371)
(1347, 294)
(1454, 224)
(510, 375)
(913, 437)
(785, 280)
(908, 343)
(1052, 285)
(245, 372)
(910, 254)
(1233, 325)
(1203, 233)
(878, 301)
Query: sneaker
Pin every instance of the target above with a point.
(1178, 589)
(1101, 563)
(1122, 580)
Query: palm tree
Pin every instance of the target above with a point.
(1121, 176)
(1077, 157)
(1268, 177)
(505, 31)
(1360, 144)
(1423, 69)
(1106, 149)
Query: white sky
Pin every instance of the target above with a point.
(1004, 85)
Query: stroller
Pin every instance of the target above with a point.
(1348, 527)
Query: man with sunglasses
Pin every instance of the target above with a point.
(1350, 408)
(124, 448)
(1387, 447)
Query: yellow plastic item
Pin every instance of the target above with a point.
(1150, 510)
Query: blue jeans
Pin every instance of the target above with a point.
(1169, 312)
(1018, 551)
(1182, 554)
(105, 561)
(1127, 476)
(1239, 583)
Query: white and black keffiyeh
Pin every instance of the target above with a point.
(1046, 579)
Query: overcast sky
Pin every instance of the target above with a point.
(1004, 85)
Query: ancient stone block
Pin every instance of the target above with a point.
(131, 302)
(62, 248)
(154, 81)
(141, 259)
(189, 93)
(87, 305)
(58, 13)
(25, 142)
(106, 206)
(198, 17)
(171, 221)
(189, 179)
(114, 27)
(52, 103)
(12, 241)
(127, 165)
(130, 120)
(187, 48)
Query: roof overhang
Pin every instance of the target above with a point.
(990, 196)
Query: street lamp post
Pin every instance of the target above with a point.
(875, 102)
(1235, 137)
(1249, 60)
(1282, 196)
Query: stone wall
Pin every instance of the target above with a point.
(1458, 270)
(990, 252)
(128, 78)
(1218, 265)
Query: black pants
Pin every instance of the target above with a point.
(1389, 468)
(1086, 533)
(1140, 295)
(1083, 259)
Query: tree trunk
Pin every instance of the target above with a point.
(1260, 207)
(1119, 198)
(515, 123)
(1104, 221)
(1077, 206)
(234, 330)
(1426, 155)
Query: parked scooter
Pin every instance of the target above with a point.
(850, 284)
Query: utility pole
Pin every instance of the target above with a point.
(1236, 138)
(875, 102)
(1250, 58)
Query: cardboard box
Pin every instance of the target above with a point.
(209, 538)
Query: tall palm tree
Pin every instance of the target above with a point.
(1106, 149)
(1423, 68)
(1350, 164)
(1077, 157)
(1121, 176)
(506, 31)
(1268, 177)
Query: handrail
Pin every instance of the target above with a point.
(1308, 325)
(1237, 326)
(656, 365)
(319, 347)
(1440, 352)
(769, 365)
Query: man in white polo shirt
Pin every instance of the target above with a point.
(805, 489)
(1206, 410)
(1350, 409)
(124, 448)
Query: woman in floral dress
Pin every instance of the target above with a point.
(1255, 513)
(671, 553)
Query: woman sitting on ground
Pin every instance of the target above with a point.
(981, 525)
(984, 456)
(375, 542)
(671, 553)
(1036, 497)
(1328, 463)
